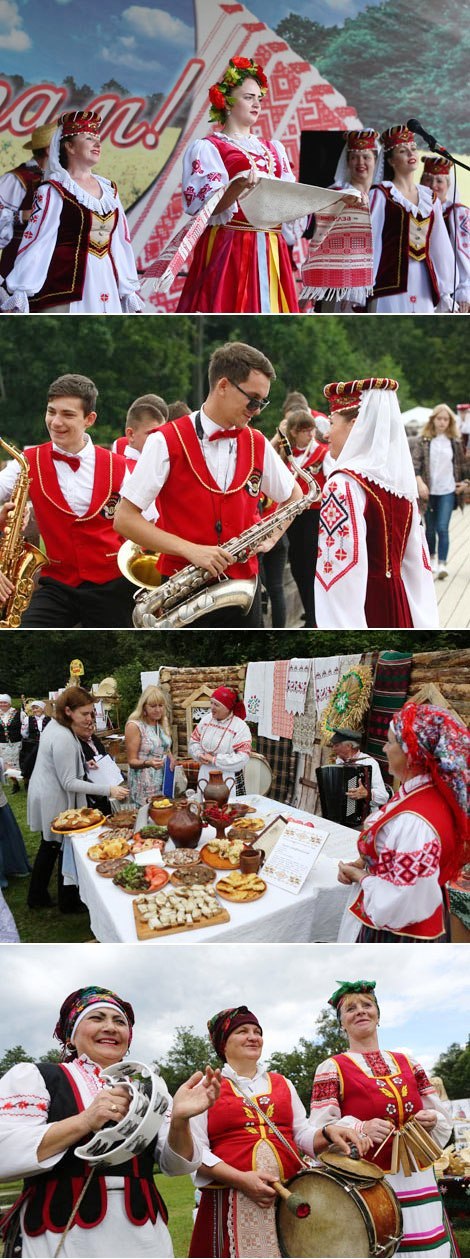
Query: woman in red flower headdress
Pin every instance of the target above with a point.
(373, 569)
(413, 262)
(418, 840)
(234, 266)
(438, 176)
(75, 256)
(222, 739)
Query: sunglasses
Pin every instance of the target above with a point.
(253, 404)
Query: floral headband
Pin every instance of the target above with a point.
(220, 94)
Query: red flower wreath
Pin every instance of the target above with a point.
(241, 63)
(216, 97)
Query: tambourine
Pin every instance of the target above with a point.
(149, 1102)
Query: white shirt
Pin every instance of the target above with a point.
(151, 473)
(441, 466)
(12, 195)
(379, 793)
(302, 1129)
(76, 487)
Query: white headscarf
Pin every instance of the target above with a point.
(343, 173)
(377, 446)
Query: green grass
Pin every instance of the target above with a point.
(41, 926)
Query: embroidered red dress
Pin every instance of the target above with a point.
(235, 267)
(352, 1088)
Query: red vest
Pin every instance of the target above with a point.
(66, 275)
(386, 1096)
(30, 177)
(428, 803)
(315, 465)
(190, 502)
(235, 1129)
(79, 548)
(121, 443)
(388, 520)
(236, 162)
(392, 275)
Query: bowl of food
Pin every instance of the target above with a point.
(161, 809)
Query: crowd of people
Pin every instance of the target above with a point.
(340, 497)
(239, 1129)
(67, 248)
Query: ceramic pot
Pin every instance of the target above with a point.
(185, 824)
(250, 860)
(217, 790)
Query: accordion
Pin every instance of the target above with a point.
(334, 781)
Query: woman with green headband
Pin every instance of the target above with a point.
(376, 1092)
(242, 1155)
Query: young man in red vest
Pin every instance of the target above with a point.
(208, 471)
(74, 489)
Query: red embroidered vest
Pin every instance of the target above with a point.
(237, 162)
(388, 521)
(392, 275)
(79, 548)
(30, 177)
(428, 803)
(394, 1096)
(66, 275)
(191, 502)
(315, 465)
(235, 1129)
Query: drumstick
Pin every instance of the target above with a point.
(384, 1142)
(293, 1201)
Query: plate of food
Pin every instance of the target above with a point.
(134, 879)
(110, 866)
(241, 887)
(123, 833)
(180, 858)
(76, 820)
(245, 825)
(222, 854)
(107, 848)
(200, 874)
(123, 817)
(149, 837)
(177, 909)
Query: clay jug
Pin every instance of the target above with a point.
(217, 790)
(185, 824)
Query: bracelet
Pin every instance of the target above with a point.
(325, 1134)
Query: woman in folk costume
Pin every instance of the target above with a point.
(76, 256)
(358, 168)
(17, 191)
(46, 1110)
(438, 174)
(222, 740)
(242, 1155)
(376, 1092)
(373, 565)
(236, 267)
(413, 260)
(412, 846)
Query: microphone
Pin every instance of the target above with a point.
(414, 125)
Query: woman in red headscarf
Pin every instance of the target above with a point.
(412, 846)
(75, 256)
(222, 739)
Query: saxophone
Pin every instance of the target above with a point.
(192, 592)
(18, 559)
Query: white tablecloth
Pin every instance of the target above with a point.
(314, 914)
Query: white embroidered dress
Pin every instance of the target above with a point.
(457, 220)
(228, 741)
(111, 278)
(204, 171)
(24, 1105)
(418, 299)
(418, 1194)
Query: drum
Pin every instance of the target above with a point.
(257, 775)
(334, 781)
(350, 1218)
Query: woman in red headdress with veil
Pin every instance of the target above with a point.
(222, 739)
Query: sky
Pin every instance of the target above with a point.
(422, 991)
(143, 46)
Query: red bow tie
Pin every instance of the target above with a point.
(225, 432)
(72, 460)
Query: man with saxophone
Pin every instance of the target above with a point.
(207, 472)
(74, 487)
